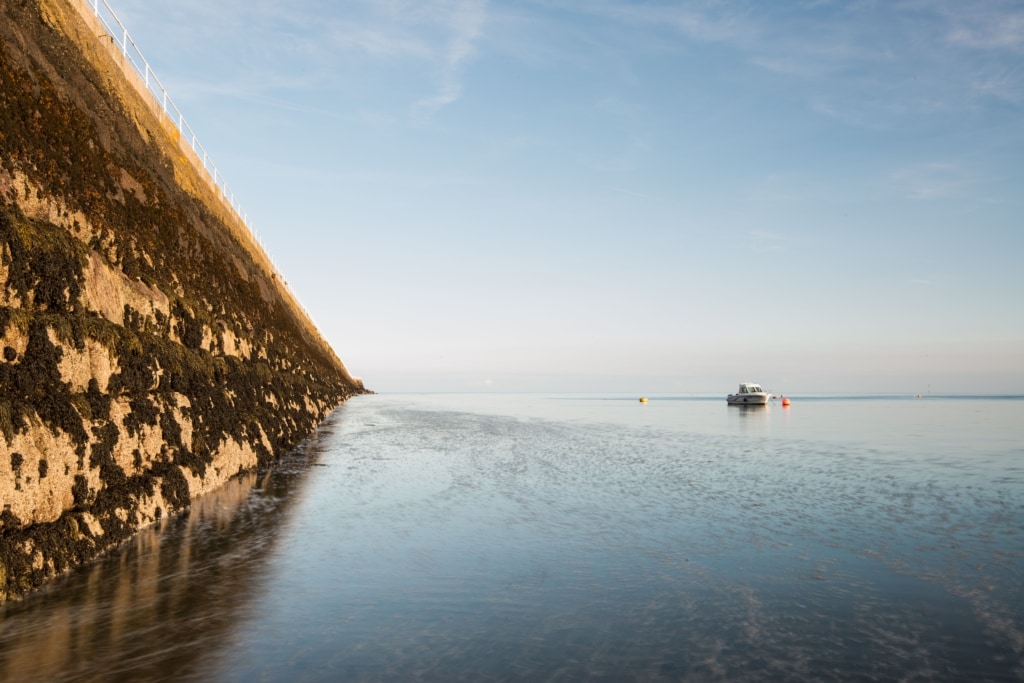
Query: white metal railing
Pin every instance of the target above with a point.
(120, 37)
(118, 34)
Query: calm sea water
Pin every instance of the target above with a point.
(550, 538)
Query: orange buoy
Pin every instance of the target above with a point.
(785, 401)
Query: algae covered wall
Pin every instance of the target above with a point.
(148, 351)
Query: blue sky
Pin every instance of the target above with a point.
(626, 196)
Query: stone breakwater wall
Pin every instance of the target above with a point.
(148, 351)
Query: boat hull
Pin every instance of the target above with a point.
(747, 399)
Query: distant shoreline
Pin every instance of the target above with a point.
(704, 396)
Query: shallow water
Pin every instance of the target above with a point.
(520, 537)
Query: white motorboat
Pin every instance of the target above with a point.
(749, 395)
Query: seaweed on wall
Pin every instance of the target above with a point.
(71, 147)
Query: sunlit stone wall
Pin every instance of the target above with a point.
(148, 351)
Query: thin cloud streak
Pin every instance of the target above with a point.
(927, 182)
(986, 26)
(438, 36)
(815, 46)
(837, 43)
(702, 22)
(465, 22)
(377, 42)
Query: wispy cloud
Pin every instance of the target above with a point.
(465, 22)
(867, 112)
(866, 64)
(776, 189)
(986, 26)
(378, 42)
(765, 242)
(791, 66)
(258, 45)
(706, 22)
(634, 193)
(930, 181)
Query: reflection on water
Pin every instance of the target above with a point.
(525, 538)
(749, 418)
(149, 610)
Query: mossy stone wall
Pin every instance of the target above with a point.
(148, 353)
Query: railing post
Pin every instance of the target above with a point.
(143, 69)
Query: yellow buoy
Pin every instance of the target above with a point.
(643, 399)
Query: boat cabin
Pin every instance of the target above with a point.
(751, 389)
